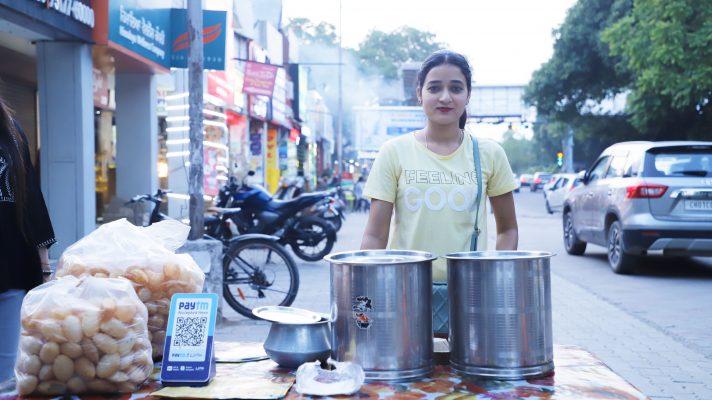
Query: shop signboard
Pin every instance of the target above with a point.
(214, 34)
(258, 107)
(279, 99)
(141, 27)
(154, 31)
(300, 87)
(220, 87)
(373, 126)
(240, 100)
(259, 78)
(272, 160)
(211, 184)
(72, 17)
(100, 88)
(256, 143)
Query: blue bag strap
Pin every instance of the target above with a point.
(476, 155)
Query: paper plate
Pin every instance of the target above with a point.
(286, 315)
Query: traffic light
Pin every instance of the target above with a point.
(560, 159)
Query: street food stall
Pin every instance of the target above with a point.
(102, 339)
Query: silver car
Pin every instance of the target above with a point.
(643, 197)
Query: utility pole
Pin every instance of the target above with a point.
(195, 115)
(569, 151)
(339, 120)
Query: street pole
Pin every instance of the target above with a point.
(569, 151)
(195, 115)
(339, 121)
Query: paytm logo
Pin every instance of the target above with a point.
(193, 305)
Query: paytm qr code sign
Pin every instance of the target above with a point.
(188, 356)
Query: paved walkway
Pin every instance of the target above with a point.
(655, 363)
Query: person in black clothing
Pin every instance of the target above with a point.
(25, 235)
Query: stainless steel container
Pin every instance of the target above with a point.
(500, 313)
(381, 312)
(291, 345)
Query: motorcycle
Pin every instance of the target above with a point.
(310, 237)
(331, 210)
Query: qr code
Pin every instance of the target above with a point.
(189, 331)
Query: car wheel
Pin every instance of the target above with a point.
(620, 262)
(548, 206)
(572, 244)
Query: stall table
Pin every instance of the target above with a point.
(578, 375)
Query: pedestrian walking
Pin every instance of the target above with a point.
(361, 202)
(437, 180)
(25, 235)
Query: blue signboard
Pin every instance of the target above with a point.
(142, 28)
(158, 33)
(214, 27)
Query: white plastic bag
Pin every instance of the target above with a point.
(345, 378)
(85, 335)
(145, 256)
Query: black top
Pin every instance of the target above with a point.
(20, 266)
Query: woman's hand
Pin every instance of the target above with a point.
(375, 236)
(506, 218)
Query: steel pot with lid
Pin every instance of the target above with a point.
(296, 336)
(381, 312)
(500, 313)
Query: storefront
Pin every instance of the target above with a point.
(49, 84)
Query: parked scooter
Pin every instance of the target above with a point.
(310, 237)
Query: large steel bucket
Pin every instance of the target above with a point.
(500, 313)
(381, 312)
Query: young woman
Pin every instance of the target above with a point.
(25, 235)
(429, 178)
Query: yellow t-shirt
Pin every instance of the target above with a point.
(434, 195)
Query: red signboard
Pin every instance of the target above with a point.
(259, 78)
(220, 86)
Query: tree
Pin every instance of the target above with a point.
(581, 74)
(310, 33)
(667, 45)
(384, 52)
(520, 152)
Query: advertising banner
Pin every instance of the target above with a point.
(220, 86)
(373, 126)
(272, 160)
(259, 78)
(211, 184)
(214, 28)
(150, 29)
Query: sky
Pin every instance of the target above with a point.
(504, 40)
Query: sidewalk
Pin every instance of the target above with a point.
(655, 363)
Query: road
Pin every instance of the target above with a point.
(674, 295)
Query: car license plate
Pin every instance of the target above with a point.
(698, 205)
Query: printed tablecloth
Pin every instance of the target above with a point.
(578, 375)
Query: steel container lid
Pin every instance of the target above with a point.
(379, 257)
(495, 255)
(287, 315)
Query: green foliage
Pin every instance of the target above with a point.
(310, 33)
(520, 152)
(385, 52)
(581, 69)
(667, 44)
(656, 52)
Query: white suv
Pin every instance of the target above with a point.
(641, 197)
